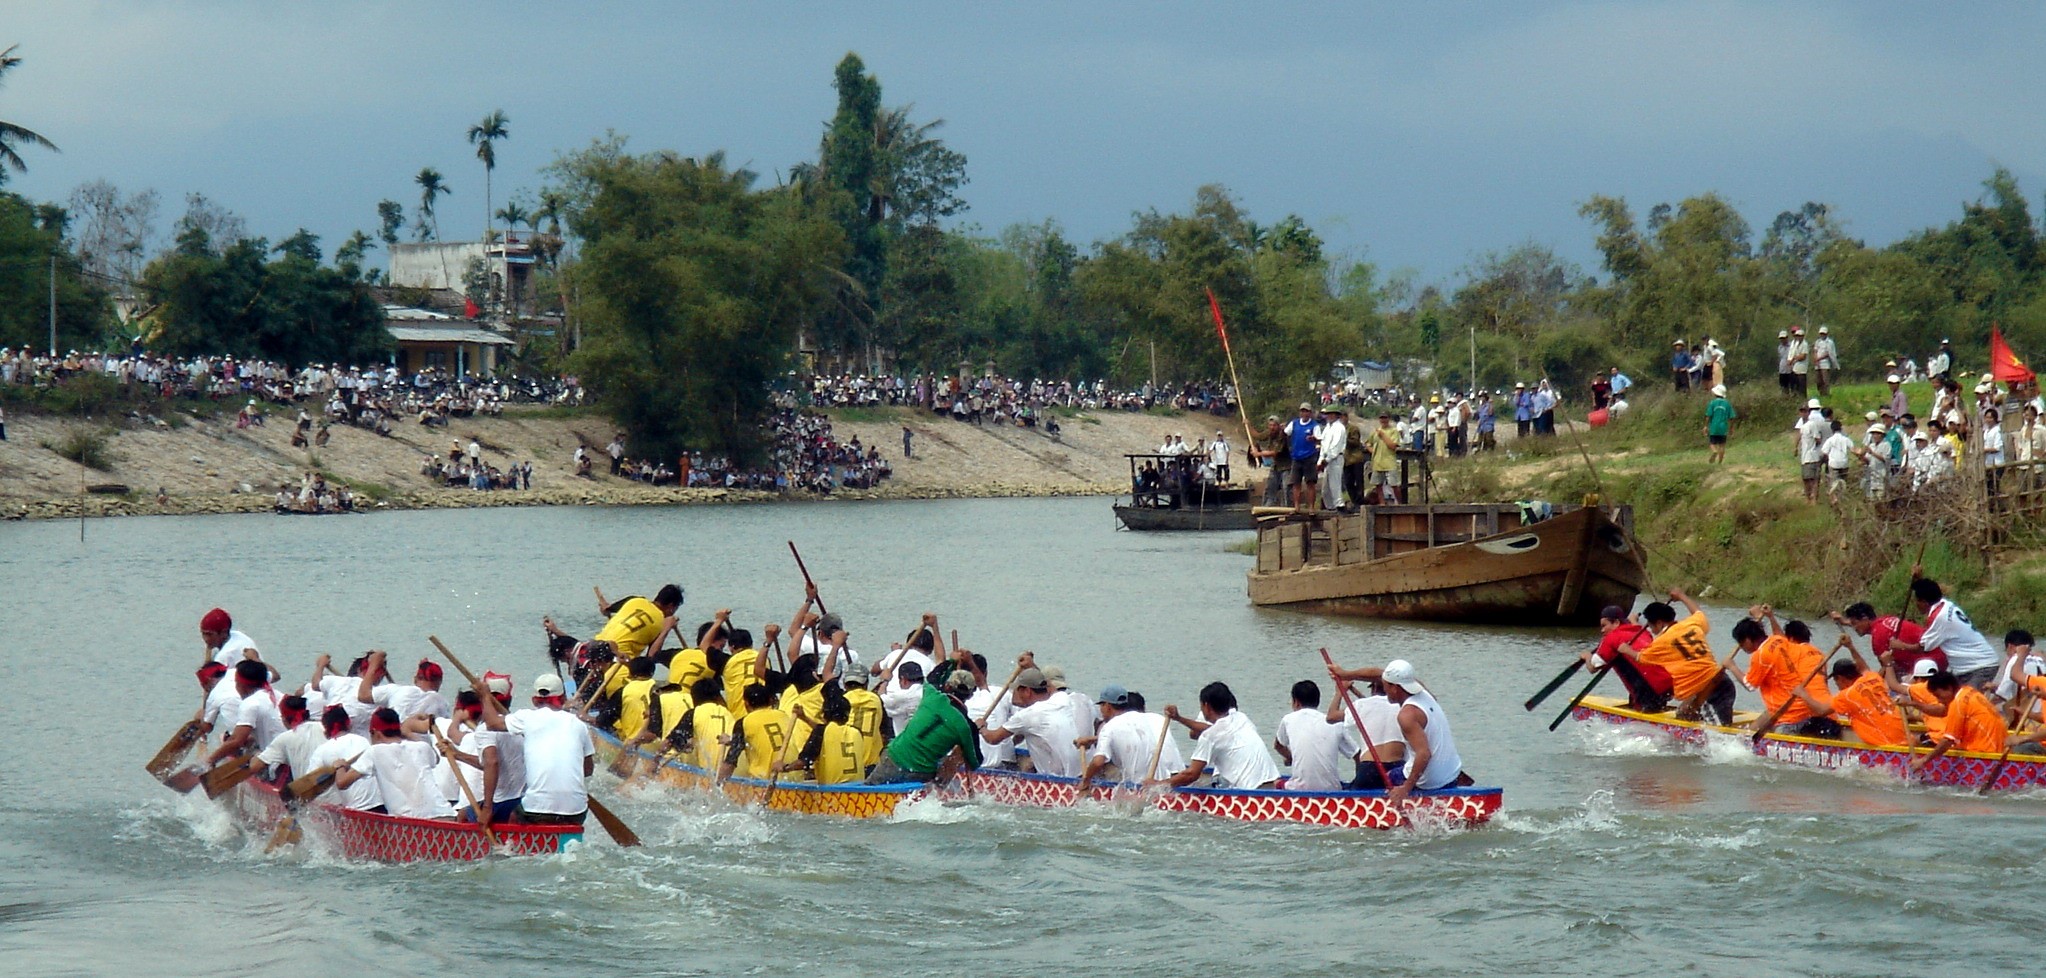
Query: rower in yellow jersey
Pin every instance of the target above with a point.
(638, 623)
(759, 739)
(633, 698)
(707, 726)
(833, 753)
(746, 666)
(803, 700)
(864, 713)
(665, 712)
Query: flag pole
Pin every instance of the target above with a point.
(1242, 409)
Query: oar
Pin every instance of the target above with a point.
(481, 690)
(222, 778)
(1358, 719)
(1561, 677)
(990, 711)
(462, 780)
(807, 582)
(619, 831)
(1581, 694)
(1768, 723)
(300, 791)
(1996, 770)
(166, 760)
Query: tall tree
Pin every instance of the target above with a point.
(390, 220)
(29, 237)
(114, 232)
(221, 226)
(431, 187)
(348, 257)
(12, 134)
(484, 136)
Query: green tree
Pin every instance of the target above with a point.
(241, 302)
(12, 134)
(692, 286)
(484, 136)
(390, 220)
(431, 187)
(348, 258)
(29, 236)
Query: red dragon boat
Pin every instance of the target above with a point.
(1341, 809)
(391, 839)
(1963, 769)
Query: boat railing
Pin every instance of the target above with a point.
(1289, 540)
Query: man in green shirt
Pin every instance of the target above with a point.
(1719, 417)
(938, 739)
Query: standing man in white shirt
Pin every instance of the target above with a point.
(1969, 655)
(1812, 430)
(1126, 739)
(1837, 450)
(1825, 360)
(559, 754)
(1043, 723)
(1218, 459)
(1335, 440)
(1227, 742)
(1319, 752)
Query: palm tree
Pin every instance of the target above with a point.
(513, 214)
(11, 133)
(484, 136)
(430, 188)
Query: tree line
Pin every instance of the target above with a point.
(687, 287)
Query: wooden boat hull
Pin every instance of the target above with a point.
(391, 839)
(1344, 809)
(1341, 809)
(1186, 518)
(1962, 769)
(1559, 571)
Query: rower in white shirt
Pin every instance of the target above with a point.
(227, 644)
(1319, 752)
(1226, 742)
(1044, 724)
(1125, 740)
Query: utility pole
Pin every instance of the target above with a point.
(53, 304)
(1474, 357)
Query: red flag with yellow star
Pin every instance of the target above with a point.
(2004, 365)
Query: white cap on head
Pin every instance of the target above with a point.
(1782, 334)
(1812, 404)
(1718, 390)
(1924, 669)
(1893, 379)
(1400, 672)
(1870, 416)
(547, 684)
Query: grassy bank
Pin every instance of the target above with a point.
(1740, 532)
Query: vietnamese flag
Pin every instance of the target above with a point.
(1216, 308)
(2004, 365)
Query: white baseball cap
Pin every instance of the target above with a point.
(1400, 672)
(548, 684)
(1924, 669)
(1782, 334)
(1813, 404)
(1870, 416)
(1893, 379)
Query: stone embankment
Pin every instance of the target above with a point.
(180, 463)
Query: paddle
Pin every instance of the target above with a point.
(300, 791)
(1358, 719)
(223, 777)
(807, 582)
(462, 781)
(990, 711)
(1996, 770)
(166, 760)
(1561, 677)
(1579, 698)
(1768, 723)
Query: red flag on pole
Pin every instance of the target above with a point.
(470, 310)
(2004, 365)
(1220, 329)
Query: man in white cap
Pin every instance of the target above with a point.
(1126, 739)
(1813, 427)
(1335, 441)
(1432, 760)
(1800, 363)
(1218, 459)
(559, 755)
(1784, 378)
(1680, 364)
(1042, 722)
(1825, 361)
(1941, 362)
(1899, 404)
(1719, 416)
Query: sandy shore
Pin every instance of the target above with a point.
(205, 465)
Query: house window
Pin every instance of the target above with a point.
(433, 359)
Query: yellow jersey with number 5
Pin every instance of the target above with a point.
(839, 757)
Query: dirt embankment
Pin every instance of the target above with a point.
(207, 465)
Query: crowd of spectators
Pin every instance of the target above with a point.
(1003, 400)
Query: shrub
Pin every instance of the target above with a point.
(86, 446)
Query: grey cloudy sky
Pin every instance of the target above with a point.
(1421, 136)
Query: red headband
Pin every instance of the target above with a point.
(212, 670)
(378, 724)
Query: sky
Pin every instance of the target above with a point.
(1420, 137)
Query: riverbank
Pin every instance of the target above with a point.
(1741, 531)
(201, 463)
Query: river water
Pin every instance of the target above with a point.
(1615, 856)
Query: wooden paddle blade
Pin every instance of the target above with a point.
(287, 834)
(183, 781)
(222, 779)
(623, 765)
(613, 825)
(167, 759)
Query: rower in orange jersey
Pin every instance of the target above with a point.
(1863, 703)
(1970, 722)
(1781, 663)
(1680, 648)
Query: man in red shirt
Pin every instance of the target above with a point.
(1861, 617)
(1648, 685)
